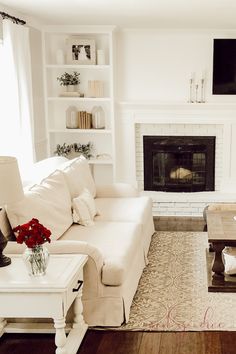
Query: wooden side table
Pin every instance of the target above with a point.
(48, 296)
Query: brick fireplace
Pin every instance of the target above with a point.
(180, 120)
(188, 133)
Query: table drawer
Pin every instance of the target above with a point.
(74, 287)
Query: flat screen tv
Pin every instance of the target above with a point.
(224, 67)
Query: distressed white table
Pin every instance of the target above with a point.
(48, 296)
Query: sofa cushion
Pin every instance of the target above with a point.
(123, 209)
(42, 169)
(78, 176)
(49, 202)
(117, 242)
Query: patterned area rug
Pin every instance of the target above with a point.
(172, 293)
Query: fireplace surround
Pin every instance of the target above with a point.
(179, 163)
(138, 119)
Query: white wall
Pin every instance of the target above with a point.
(157, 64)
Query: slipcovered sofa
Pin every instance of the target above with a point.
(117, 239)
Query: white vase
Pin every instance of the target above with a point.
(70, 88)
(98, 118)
(72, 121)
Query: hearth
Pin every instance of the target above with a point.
(179, 163)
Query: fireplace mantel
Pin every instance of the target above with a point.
(177, 112)
(229, 106)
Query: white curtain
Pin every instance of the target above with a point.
(16, 103)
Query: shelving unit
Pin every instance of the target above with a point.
(55, 38)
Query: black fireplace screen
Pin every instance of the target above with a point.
(179, 163)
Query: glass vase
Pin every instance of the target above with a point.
(36, 260)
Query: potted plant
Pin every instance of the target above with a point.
(75, 149)
(70, 81)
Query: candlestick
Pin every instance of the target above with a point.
(191, 81)
(202, 90)
(196, 93)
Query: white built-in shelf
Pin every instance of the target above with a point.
(58, 100)
(82, 99)
(100, 161)
(86, 131)
(73, 66)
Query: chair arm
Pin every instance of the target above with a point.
(222, 206)
(116, 190)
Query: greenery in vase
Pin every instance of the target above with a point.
(84, 149)
(67, 79)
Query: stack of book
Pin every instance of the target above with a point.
(84, 120)
(95, 88)
(70, 94)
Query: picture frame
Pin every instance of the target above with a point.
(81, 51)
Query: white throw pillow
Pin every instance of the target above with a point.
(81, 214)
(78, 176)
(229, 258)
(88, 199)
(84, 208)
(49, 202)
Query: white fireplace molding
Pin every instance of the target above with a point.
(133, 114)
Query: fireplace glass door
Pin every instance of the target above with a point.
(179, 164)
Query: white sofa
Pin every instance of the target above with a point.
(117, 243)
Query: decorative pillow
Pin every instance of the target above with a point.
(84, 208)
(81, 214)
(49, 202)
(78, 176)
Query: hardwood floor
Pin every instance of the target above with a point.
(159, 343)
(115, 342)
(178, 223)
(112, 342)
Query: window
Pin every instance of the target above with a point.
(16, 116)
(8, 107)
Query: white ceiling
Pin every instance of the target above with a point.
(217, 14)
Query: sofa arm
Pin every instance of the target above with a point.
(92, 269)
(116, 190)
(62, 247)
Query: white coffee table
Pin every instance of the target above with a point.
(48, 296)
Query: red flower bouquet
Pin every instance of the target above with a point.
(32, 233)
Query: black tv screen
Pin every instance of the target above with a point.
(224, 67)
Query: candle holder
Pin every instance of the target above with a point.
(196, 93)
(202, 91)
(191, 82)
